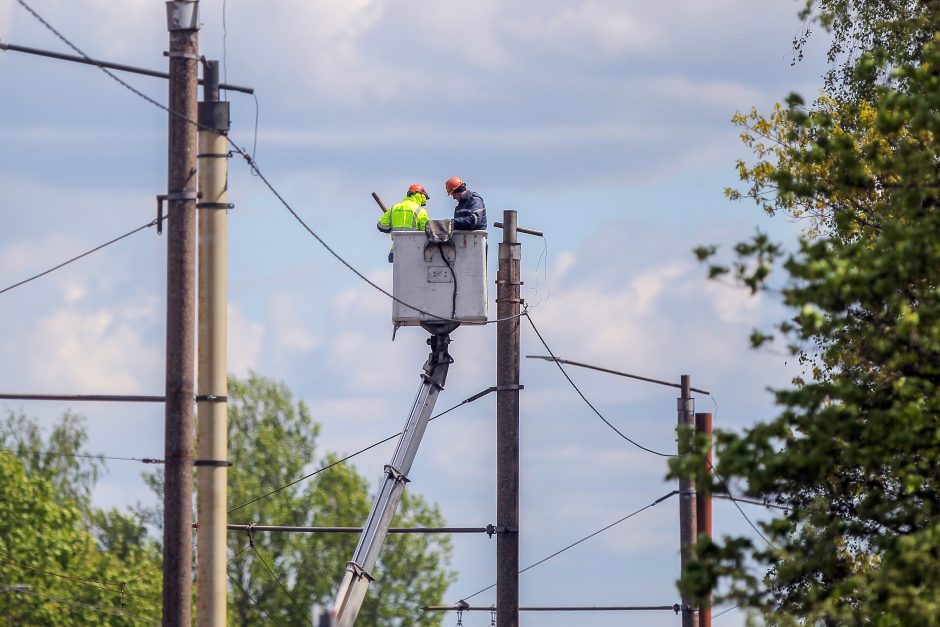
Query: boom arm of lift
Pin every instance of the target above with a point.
(358, 574)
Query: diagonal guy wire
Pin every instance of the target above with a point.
(587, 537)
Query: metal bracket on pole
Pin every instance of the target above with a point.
(215, 205)
(395, 474)
(160, 199)
(175, 54)
(212, 463)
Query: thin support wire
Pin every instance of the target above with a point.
(142, 460)
(359, 452)
(85, 606)
(101, 585)
(84, 254)
(576, 543)
(280, 585)
(252, 599)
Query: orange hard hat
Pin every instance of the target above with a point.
(453, 183)
(418, 188)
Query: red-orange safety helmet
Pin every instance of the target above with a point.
(418, 188)
(453, 183)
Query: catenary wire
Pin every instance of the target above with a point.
(84, 254)
(359, 452)
(91, 608)
(587, 537)
(585, 399)
(257, 172)
(277, 579)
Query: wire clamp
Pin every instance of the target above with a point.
(214, 205)
(251, 535)
(212, 463)
(211, 398)
(178, 54)
(395, 474)
(490, 530)
(358, 571)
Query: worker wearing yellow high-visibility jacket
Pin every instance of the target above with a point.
(408, 215)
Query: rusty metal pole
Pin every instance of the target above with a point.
(212, 315)
(703, 508)
(182, 23)
(687, 525)
(508, 304)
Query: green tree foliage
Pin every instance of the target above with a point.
(889, 33)
(63, 561)
(272, 442)
(854, 451)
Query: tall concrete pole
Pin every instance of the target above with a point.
(212, 318)
(703, 508)
(508, 304)
(182, 23)
(687, 526)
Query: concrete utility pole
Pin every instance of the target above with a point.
(212, 440)
(182, 23)
(687, 525)
(508, 304)
(703, 508)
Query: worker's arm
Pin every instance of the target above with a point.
(422, 219)
(470, 214)
(385, 222)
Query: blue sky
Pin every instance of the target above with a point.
(604, 123)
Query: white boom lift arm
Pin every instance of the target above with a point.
(358, 574)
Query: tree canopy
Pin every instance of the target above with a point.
(853, 451)
(64, 561)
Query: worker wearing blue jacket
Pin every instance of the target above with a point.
(470, 212)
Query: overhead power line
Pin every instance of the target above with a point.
(76, 258)
(255, 169)
(616, 372)
(108, 64)
(279, 584)
(556, 608)
(585, 538)
(738, 507)
(85, 606)
(93, 583)
(142, 460)
(585, 399)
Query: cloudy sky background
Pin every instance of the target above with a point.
(604, 123)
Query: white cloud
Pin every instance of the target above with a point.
(595, 30)
(102, 351)
(245, 344)
(292, 330)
